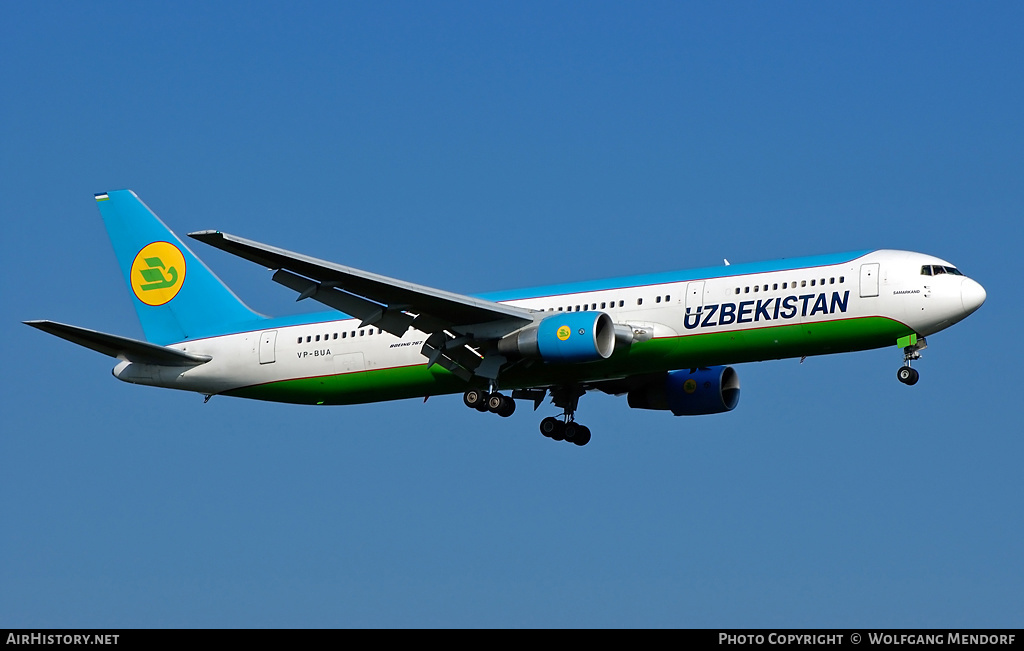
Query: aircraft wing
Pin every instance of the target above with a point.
(132, 350)
(452, 320)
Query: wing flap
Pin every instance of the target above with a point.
(133, 350)
(390, 320)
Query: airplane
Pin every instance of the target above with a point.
(666, 341)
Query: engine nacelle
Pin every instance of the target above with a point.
(565, 338)
(690, 393)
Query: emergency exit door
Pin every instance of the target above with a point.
(268, 342)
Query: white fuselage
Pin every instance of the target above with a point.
(886, 284)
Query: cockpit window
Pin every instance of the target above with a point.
(935, 270)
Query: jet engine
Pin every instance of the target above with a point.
(690, 392)
(565, 338)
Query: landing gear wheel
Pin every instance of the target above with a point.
(908, 375)
(508, 409)
(501, 405)
(475, 399)
(582, 436)
(552, 428)
(495, 401)
(572, 430)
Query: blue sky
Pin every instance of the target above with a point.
(482, 147)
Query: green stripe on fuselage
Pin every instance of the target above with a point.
(686, 351)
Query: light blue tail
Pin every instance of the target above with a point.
(176, 296)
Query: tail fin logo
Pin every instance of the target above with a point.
(158, 273)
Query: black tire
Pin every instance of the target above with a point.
(572, 430)
(582, 436)
(474, 398)
(495, 402)
(552, 428)
(508, 408)
(908, 375)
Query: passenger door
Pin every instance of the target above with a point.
(869, 280)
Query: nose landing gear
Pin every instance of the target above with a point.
(912, 347)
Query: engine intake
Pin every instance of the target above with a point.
(690, 393)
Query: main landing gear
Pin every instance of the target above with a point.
(495, 402)
(906, 374)
(565, 430)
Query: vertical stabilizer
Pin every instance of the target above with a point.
(176, 296)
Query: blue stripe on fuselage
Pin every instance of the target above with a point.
(706, 273)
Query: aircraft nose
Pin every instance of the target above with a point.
(972, 294)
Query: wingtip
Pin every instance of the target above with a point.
(204, 235)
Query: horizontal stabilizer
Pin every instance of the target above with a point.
(132, 350)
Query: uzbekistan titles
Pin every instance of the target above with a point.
(768, 309)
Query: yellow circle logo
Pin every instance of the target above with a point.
(157, 273)
(563, 332)
(690, 385)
